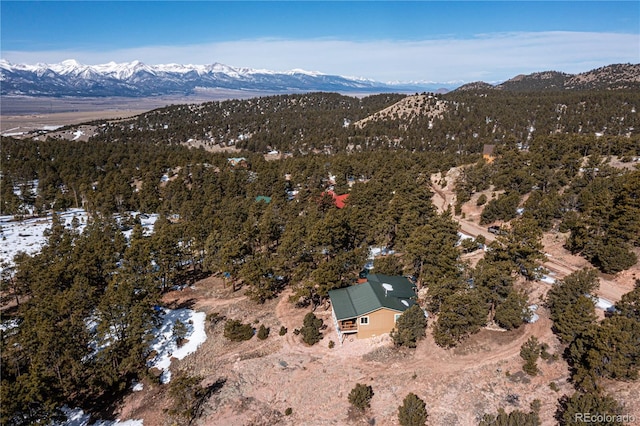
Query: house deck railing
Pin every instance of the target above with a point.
(344, 327)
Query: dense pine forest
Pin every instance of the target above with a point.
(458, 122)
(272, 225)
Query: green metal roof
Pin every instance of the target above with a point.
(380, 291)
(263, 198)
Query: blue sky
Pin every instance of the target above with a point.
(383, 40)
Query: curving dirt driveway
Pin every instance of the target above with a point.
(559, 261)
(264, 378)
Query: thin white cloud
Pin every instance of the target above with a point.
(488, 57)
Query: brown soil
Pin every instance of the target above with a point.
(560, 262)
(21, 126)
(264, 378)
(27, 123)
(409, 107)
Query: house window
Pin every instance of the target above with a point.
(364, 320)
(395, 317)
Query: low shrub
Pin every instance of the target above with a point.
(236, 331)
(263, 332)
(360, 396)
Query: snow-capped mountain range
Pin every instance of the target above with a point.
(134, 79)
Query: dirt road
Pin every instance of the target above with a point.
(559, 261)
(262, 378)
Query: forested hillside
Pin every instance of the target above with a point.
(458, 122)
(273, 225)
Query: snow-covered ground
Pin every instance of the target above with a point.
(166, 347)
(165, 343)
(379, 251)
(533, 317)
(462, 236)
(548, 280)
(8, 325)
(146, 220)
(604, 304)
(28, 235)
(77, 417)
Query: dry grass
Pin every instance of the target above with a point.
(264, 378)
(409, 107)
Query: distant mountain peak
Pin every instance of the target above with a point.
(610, 77)
(476, 86)
(137, 79)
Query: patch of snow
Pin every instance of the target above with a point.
(51, 128)
(91, 323)
(379, 251)
(77, 135)
(77, 417)
(137, 387)
(533, 318)
(8, 325)
(30, 186)
(28, 235)
(387, 287)
(548, 280)
(604, 304)
(464, 236)
(165, 343)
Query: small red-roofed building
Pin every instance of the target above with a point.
(338, 200)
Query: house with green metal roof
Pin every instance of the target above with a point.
(263, 198)
(371, 308)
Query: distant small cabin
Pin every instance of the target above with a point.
(238, 162)
(340, 201)
(371, 308)
(488, 153)
(265, 199)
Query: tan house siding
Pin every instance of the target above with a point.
(380, 322)
(487, 153)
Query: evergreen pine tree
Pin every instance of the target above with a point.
(413, 411)
(410, 327)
